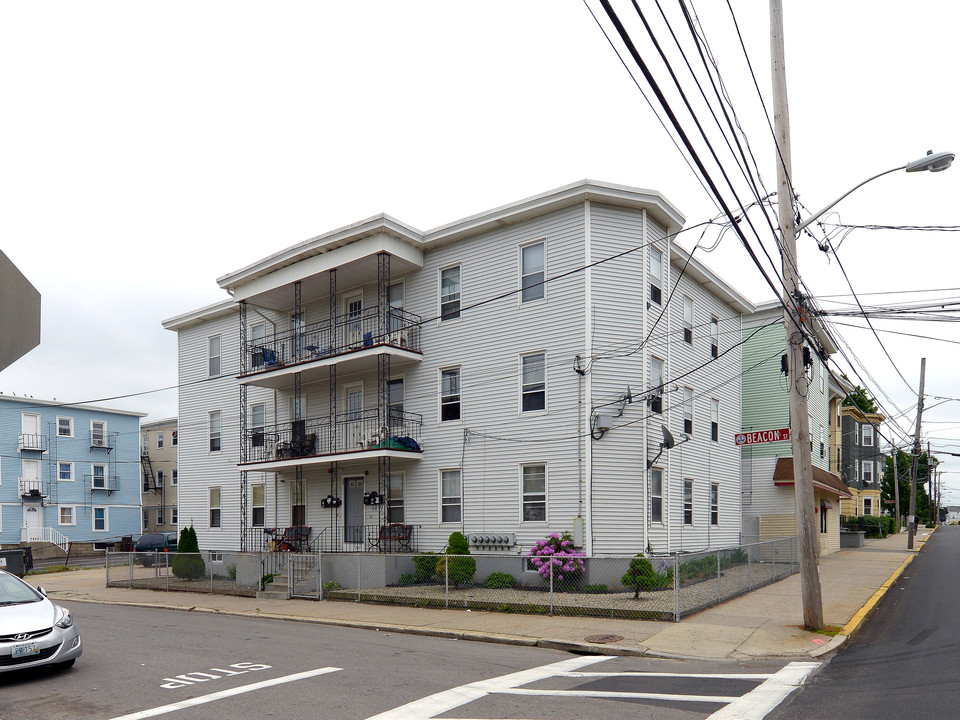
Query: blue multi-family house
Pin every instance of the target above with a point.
(68, 473)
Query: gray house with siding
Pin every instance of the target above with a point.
(508, 375)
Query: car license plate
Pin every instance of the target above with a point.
(25, 650)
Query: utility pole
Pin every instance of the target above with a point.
(912, 520)
(896, 483)
(807, 535)
(929, 484)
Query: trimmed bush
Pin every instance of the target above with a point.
(424, 566)
(596, 589)
(457, 544)
(407, 579)
(555, 554)
(496, 580)
(187, 562)
(461, 568)
(641, 576)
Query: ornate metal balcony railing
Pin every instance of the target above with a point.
(31, 488)
(347, 432)
(348, 333)
(29, 441)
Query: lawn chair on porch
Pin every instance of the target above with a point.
(294, 539)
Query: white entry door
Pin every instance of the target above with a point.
(353, 395)
(33, 517)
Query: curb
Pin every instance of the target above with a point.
(870, 605)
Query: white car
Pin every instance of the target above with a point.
(33, 630)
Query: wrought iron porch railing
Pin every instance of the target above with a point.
(29, 441)
(393, 538)
(345, 432)
(322, 339)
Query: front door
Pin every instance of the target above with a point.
(353, 308)
(353, 395)
(353, 510)
(32, 518)
(31, 477)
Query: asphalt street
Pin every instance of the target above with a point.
(145, 662)
(905, 661)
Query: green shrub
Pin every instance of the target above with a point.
(331, 585)
(424, 566)
(266, 580)
(596, 589)
(640, 575)
(232, 572)
(496, 580)
(187, 562)
(457, 569)
(457, 544)
(407, 579)
(734, 557)
(704, 567)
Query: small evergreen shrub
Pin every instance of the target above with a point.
(424, 566)
(497, 580)
(596, 589)
(187, 562)
(407, 579)
(457, 544)
(640, 575)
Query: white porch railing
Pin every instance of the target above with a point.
(45, 534)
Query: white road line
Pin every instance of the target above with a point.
(629, 695)
(702, 676)
(447, 700)
(203, 699)
(765, 697)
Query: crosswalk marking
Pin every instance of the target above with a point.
(765, 697)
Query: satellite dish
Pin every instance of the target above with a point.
(668, 441)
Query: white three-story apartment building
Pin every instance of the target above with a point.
(508, 375)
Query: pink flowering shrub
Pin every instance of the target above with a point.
(556, 551)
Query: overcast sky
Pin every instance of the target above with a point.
(149, 148)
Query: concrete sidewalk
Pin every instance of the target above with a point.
(764, 623)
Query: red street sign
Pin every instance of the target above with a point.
(763, 436)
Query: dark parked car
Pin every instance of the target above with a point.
(150, 544)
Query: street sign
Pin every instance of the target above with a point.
(763, 436)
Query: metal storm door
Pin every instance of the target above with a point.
(353, 510)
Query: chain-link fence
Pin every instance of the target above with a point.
(665, 587)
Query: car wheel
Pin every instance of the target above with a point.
(66, 664)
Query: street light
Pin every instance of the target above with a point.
(794, 314)
(934, 162)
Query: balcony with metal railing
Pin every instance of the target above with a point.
(352, 339)
(28, 489)
(32, 442)
(358, 435)
(102, 483)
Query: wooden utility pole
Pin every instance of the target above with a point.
(912, 520)
(929, 484)
(807, 531)
(896, 483)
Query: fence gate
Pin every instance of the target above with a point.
(303, 576)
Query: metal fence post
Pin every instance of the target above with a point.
(319, 575)
(773, 547)
(446, 581)
(166, 576)
(550, 560)
(130, 575)
(676, 587)
(749, 568)
(358, 577)
(719, 591)
(210, 567)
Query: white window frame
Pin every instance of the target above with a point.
(174, 477)
(258, 439)
(714, 420)
(657, 370)
(656, 494)
(159, 478)
(159, 439)
(823, 442)
(93, 476)
(160, 518)
(688, 320)
(254, 506)
(454, 297)
(103, 433)
(215, 435)
(528, 389)
(394, 502)
(218, 507)
(106, 519)
(656, 279)
(864, 500)
(688, 411)
(446, 501)
(174, 437)
(447, 400)
(715, 504)
(538, 284)
(145, 444)
(866, 432)
(173, 515)
(533, 498)
(714, 337)
(214, 356)
(73, 471)
(73, 515)
(866, 468)
(688, 489)
(69, 433)
(822, 373)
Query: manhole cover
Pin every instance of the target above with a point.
(603, 639)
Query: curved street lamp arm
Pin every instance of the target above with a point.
(821, 212)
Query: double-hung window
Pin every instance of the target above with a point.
(823, 442)
(449, 394)
(688, 411)
(450, 496)
(395, 498)
(159, 478)
(65, 471)
(64, 427)
(173, 438)
(258, 419)
(715, 420)
(159, 439)
(100, 523)
(67, 516)
(159, 516)
(714, 337)
(532, 272)
(714, 504)
(173, 515)
(173, 478)
(258, 512)
(656, 275)
(450, 293)
(215, 507)
(656, 384)
(213, 355)
(656, 495)
(688, 502)
(99, 477)
(866, 435)
(533, 386)
(214, 425)
(98, 433)
(534, 491)
(688, 320)
(866, 472)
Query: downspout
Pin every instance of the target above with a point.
(586, 435)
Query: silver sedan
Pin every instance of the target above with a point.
(33, 630)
